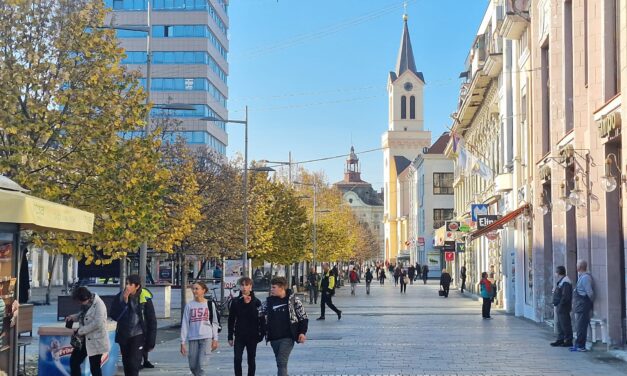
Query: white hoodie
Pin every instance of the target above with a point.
(196, 325)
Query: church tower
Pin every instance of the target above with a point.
(403, 141)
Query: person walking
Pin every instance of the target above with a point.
(411, 273)
(137, 324)
(397, 274)
(353, 277)
(327, 290)
(313, 279)
(418, 271)
(369, 278)
(286, 322)
(462, 274)
(487, 294)
(425, 273)
(247, 324)
(583, 296)
(445, 282)
(199, 329)
(404, 280)
(562, 300)
(92, 331)
(382, 277)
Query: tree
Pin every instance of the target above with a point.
(366, 245)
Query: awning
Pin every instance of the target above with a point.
(39, 214)
(499, 223)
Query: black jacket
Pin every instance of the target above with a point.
(298, 321)
(445, 279)
(246, 321)
(138, 310)
(563, 295)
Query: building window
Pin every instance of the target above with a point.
(443, 183)
(546, 100)
(440, 216)
(412, 107)
(403, 107)
(616, 51)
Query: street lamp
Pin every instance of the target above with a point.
(315, 230)
(245, 270)
(288, 163)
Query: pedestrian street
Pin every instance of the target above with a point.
(419, 333)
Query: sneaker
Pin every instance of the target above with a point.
(557, 343)
(320, 318)
(339, 315)
(147, 364)
(574, 349)
(567, 344)
(582, 349)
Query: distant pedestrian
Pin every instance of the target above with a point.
(583, 296)
(313, 279)
(445, 282)
(327, 290)
(487, 294)
(404, 280)
(92, 330)
(199, 329)
(286, 322)
(382, 277)
(418, 271)
(397, 275)
(217, 272)
(247, 324)
(336, 274)
(353, 277)
(369, 278)
(462, 274)
(562, 300)
(425, 273)
(137, 323)
(411, 273)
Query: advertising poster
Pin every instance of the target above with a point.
(232, 273)
(433, 260)
(55, 352)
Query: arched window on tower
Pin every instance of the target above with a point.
(403, 107)
(412, 107)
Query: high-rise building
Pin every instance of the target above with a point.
(189, 46)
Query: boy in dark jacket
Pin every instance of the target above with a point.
(286, 322)
(562, 300)
(137, 323)
(247, 324)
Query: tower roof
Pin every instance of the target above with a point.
(406, 60)
(352, 156)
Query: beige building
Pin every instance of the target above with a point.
(404, 139)
(365, 202)
(580, 69)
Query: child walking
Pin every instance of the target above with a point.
(199, 329)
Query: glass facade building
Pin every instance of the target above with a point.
(189, 49)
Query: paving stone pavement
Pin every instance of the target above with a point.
(417, 333)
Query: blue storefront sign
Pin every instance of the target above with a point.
(478, 209)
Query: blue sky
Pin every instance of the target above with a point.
(314, 74)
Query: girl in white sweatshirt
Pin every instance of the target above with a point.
(199, 327)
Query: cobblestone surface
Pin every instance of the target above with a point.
(414, 334)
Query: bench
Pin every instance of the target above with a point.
(599, 334)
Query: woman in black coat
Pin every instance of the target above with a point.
(445, 282)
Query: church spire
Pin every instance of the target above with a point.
(405, 54)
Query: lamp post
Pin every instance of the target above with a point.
(246, 269)
(288, 163)
(315, 210)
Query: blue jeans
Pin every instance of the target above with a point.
(282, 349)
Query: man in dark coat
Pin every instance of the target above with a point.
(137, 323)
(562, 300)
(445, 282)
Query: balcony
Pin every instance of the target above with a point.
(503, 182)
(494, 61)
(516, 18)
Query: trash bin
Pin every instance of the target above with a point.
(55, 351)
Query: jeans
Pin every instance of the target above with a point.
(463, 284)
(564, 327)
(403, 287)
(353, 285)
(382, 280)
(583, 321)
(327, 299)
(77, 358)
(282, 349)
(197, 351)
(251, 352)
(368, 288)
(132, 352)
(313, 294)
(485, 308)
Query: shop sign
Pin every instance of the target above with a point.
(464, 228)
(460, 247)
(486, 220)
(478, 209)
(449, 246)
(609, 123)
(421, 241)
(449, 256)
(453, 226)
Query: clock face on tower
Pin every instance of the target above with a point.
(408, 86)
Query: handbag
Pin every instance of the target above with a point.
(76, 341)
(406, 280)
(440, 292)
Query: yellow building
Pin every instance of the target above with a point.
(403, 141)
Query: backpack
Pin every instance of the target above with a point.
(213, 306)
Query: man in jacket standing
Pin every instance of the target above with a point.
(286, 322)
(445, 282)
(369, 278)
(137, 323)
(583, 296)
(327, 289)
(462, 274)
(247, 325)
(562, 300)
(313, 279)
(353, 277)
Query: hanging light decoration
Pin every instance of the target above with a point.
(576, 196)
(563, 203)
(608, 182)
(545, 205)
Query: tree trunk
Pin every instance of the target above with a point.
(183, 264)
(50, 271)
